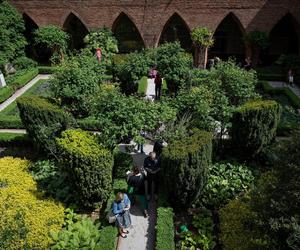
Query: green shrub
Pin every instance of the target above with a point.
(88, 165)
(47, 70)
(5, 93)
(25, 78)
(89, 123)
(254, 126)
(122, 163)
(24, 62)
(43, 121)
(10, 121)
(225, 182)
(11, 139)
(165, 229)
(185, 166)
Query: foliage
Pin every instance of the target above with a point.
(24, 62)
(12, 41)
(21, 80)
(254, 126)
(143, 84)
(122, 117)
(104, 39)
(43, 121)
(89, 166)
(26, 217)
(47, 69)
(165, 229)
(5, 93)
(202, 37)
(204, 237)
(11, 139)
(52, 38)
(257, 38)
(173, 64)
(196, 102)
(123, 162)
(77, 82)
(132, 69)
(287, 62)
(185, 166)
(225, 182)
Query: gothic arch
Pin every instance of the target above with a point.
(76, 29)
(176, 29)
(128, 36)
(228, 38)
(284, 37)
(30, 27)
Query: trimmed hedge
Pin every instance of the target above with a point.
(254, 126)
(43, 121)
(11, 139)
(88, 165)
(185, 166)
(10, 121)
(24, 79)
(47, 70)
(122, 163)
(5, 93)
(89, 123)
(295, 100)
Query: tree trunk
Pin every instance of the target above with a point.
(200, 58)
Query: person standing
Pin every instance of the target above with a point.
(136, 182)
(121, 208)
(291, 78)
(158, 84)
(152, 167)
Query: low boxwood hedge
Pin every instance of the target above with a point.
(47, 70)
(22, 80)
(10, 121)
(13, 139)
(5, 93)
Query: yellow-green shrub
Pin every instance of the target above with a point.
(26, 217)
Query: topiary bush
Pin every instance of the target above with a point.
(89, 166)
(26, 217)
(122, 163)
(254, 126)
(185, 166)
(165, 229)
(43, 121)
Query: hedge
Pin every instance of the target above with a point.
(43, 121)
(165, 229)
(24, 79)
(88, 165)
(26, 217)
(294, 99)
(12, 139)
(254, 126)
(123, 162)
(89, 123)
(47, 70)
(5, 93)
(185, 166)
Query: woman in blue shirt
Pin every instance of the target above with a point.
(121, 208)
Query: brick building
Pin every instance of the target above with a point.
(147, 23)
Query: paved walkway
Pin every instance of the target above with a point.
(14, 131)
(142, 232)
(22, 90)
(295, 89)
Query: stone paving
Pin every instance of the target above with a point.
(295, 88)
(142, 232)
(22, 90)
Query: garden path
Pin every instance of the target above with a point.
(142, 232)
(22, 90)
(150, 93)
(295, 89)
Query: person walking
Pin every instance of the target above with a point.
(290, 77)
(136, 184)
(121, 208)
(158, 84)
(152, 167)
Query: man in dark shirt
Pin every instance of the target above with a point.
(152, 167)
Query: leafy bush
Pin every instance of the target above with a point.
(12, 42)
(43, 121)
(77, 82)
(185, 166)
(5, 93)
(24, 62)
(225, 182)
(165, 229)
(122, 163)
(89, 166)
(26, 217)
(254, 126)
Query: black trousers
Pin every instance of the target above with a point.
(152, 179)
(157, 91)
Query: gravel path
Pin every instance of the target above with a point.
(295, 89)
(22, 90)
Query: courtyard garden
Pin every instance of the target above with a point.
(230, 166)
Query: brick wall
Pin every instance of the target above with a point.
(150, 16)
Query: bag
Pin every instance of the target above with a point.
(130, 190)
(111, 217)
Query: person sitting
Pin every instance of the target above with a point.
(136, 181)
(152, 167)
(121, 208)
